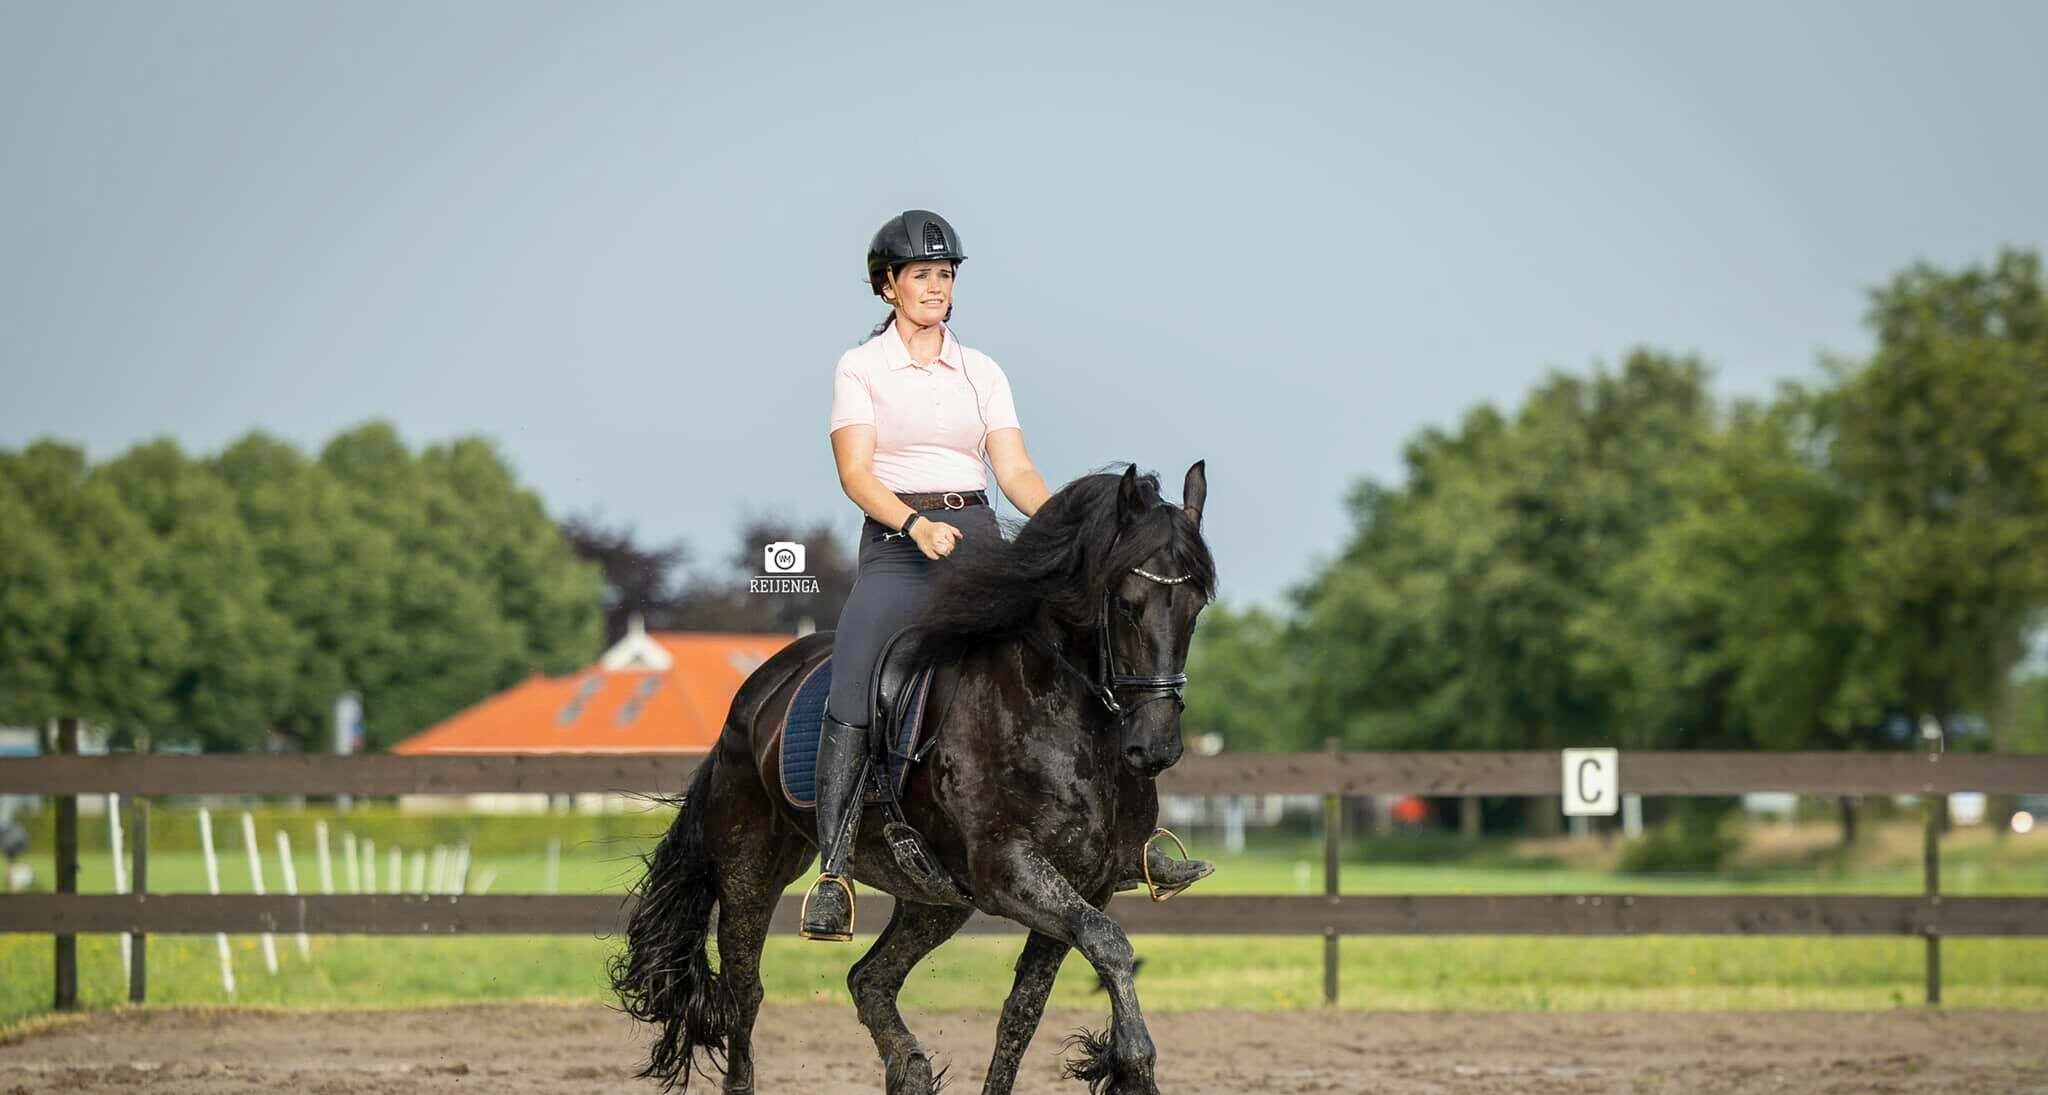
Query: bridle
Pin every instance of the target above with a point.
(1106, 681)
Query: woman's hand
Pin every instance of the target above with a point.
(935, 538)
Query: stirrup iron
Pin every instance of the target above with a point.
(1158, 892)
(803, 917)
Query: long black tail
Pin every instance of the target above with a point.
(664, 977)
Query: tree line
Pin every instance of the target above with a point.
(224, 602)
(1624, 559)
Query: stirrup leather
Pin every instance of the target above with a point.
(803, 917)
(1158, 892)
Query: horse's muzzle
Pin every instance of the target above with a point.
(1151, 762)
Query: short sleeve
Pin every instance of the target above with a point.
(852, 403)
(999, 408)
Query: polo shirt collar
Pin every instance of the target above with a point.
(898, 355)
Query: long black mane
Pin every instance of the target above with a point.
(1054, 572)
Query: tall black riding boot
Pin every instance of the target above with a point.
(842, 762)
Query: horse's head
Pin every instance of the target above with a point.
(1157, 577)
(1106, 579)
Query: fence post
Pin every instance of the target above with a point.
(1936, 803)
(138, 850)
(67, 872)
(1933, 857)
(1333, 831)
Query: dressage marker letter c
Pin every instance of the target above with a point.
(1592, 782)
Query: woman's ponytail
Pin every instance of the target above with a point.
(886, 321)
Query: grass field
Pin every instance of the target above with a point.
(1395, 973)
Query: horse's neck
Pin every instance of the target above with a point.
(1081, 710)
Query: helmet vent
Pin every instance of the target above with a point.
(934, 239)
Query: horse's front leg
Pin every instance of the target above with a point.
(1039, 897)
(1037, 967)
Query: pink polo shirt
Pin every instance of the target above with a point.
(928, 420)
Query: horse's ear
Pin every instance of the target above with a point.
(1129, 504)
(1194, 491)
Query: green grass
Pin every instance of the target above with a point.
(1477, 973)
(1521, 973)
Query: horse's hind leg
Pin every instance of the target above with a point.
(914, 931)
(1037, 967)
(763, 856)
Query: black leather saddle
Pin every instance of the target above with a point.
(893, 679)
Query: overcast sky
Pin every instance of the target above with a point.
(625, 240)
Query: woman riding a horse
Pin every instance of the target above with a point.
(1051, 663)
(913, 412)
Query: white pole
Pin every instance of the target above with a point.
(554, 872)
(227, 967)
(369, 865)
(394, 877)
(419, 873)
(483, 882)
(120, 871)
(326, 864)
(348, 861)
(1631, 816)
(256, 880)
(291, 884)
(462, 867)
(438, 873)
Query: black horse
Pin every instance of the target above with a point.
(1036, 799)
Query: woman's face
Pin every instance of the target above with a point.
(922, 292)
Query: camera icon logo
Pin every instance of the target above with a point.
(783, 557)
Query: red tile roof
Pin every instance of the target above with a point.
(680, 710)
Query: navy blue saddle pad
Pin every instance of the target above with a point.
(806, 717)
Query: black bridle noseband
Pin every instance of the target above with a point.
(1106, 680)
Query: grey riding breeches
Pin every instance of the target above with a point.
(888, 593)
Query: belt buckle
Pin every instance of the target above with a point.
(953, 499)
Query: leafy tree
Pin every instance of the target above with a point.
(1942, 439)
(228, 681)
(541, 585)
(1445, 623)
(106, 646)
(477, 600)
(39, 598)
(1731, 628)
(332, 575)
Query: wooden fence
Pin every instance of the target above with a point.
(1332, 774)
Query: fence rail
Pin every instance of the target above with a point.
(1646, 773)
(1331, 774)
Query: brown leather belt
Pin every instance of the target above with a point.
(951, 499)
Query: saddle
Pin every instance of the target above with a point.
(896, 710)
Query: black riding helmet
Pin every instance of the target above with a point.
(917, 235)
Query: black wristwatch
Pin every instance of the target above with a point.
(914, 518)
